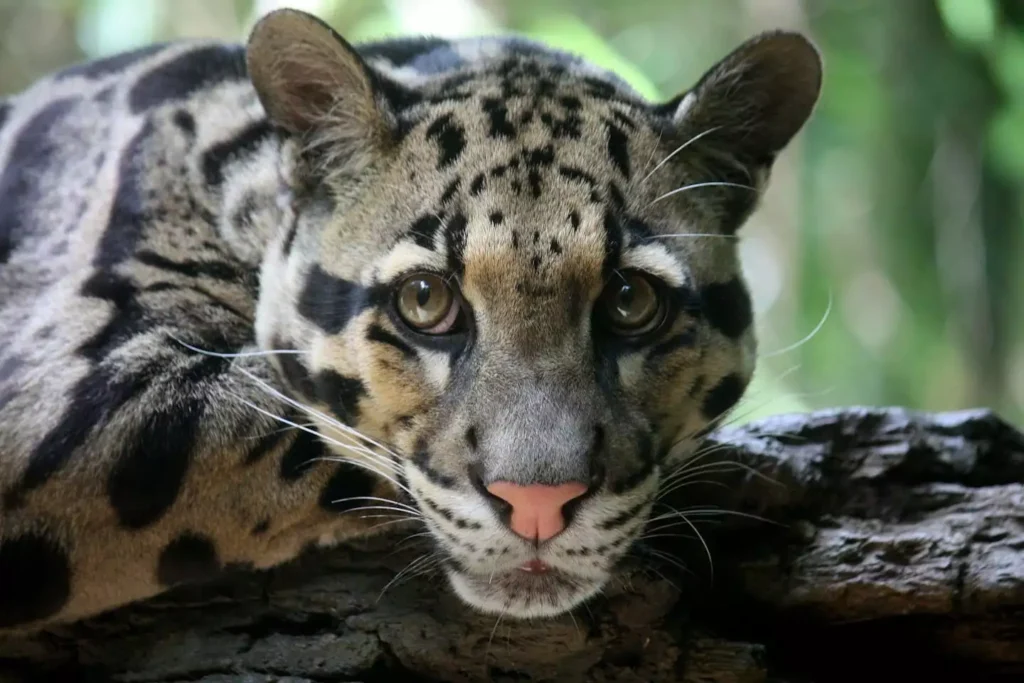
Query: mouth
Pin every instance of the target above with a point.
(533, 589)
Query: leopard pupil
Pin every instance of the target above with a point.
(423, 293)
(626, 297)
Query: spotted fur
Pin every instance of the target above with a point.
(201, 365)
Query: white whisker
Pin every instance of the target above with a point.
(695, 234)
(240, 354)
(312, 412)
(694, 186)
(357, 463)
(813, 333)
(677, 150)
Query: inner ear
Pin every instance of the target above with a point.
(310, 80)
(757, 98)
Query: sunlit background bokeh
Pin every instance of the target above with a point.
(886, 262)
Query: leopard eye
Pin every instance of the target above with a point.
(427, 304)
(631, 304)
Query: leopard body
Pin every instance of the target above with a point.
(200, 361)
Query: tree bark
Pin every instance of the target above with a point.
(878, 545)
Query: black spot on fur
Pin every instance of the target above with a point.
(303, 451)
(245, 142)
(330, 301)
(182, 77)
(535, 183)
(623, 517)
(421, 458)
(615, 194)
(541, 157)
(599, 89)
(35, 579)
(497, 112)
(32, 158)
(378, 334)
(261, 527)
(727, 307)
(266, 445)
(574, 219)
(556, 248)
(296, 375)
(455, 239)
(515, 239)
(129, 212)
(189, 558)
(450, 191)
(450, 138)
(626, 122)
(341, 393)
(570, 102)
(535, 262)
(424, 229)
(398, 97)
(289, 238)
(496, 217)
(638, 230)
(471, 438)
(126, 320)
(148, 476)
(347, 488)
(185, 121)
(106, 66)
(723, 396)
(93, 400)
(217, 270)
(579, 176)
(478, 184)
(612, 242)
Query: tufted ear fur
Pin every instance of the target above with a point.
(313, 84)
(756, 99)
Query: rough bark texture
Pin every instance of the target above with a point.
(894, 551)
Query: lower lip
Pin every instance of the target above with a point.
(535, 567)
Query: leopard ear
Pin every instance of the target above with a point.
(312, 83)
(755, 99)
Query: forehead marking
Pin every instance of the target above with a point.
(656, 260)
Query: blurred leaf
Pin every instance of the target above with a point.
(972, 21)
(109, 26)
(1008, 64)
(1006, 141)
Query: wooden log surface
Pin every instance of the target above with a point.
(847, 545)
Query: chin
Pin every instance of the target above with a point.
(522, 594)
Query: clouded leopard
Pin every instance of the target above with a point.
(254, 297)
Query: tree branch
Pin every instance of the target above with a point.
(891, 548)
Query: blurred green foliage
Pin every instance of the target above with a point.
(894, 226)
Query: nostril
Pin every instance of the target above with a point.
(501, 506)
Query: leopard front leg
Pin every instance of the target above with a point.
(187, 465)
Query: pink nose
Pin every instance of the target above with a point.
(537, 509)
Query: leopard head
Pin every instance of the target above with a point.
(514, 283)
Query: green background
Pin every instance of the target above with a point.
(893, 226)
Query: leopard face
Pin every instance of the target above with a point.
(512, 289)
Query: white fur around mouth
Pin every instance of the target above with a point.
(524, 594)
